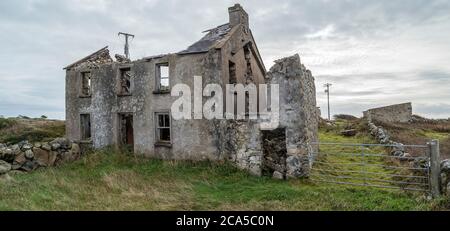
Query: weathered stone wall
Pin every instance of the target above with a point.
(392, 113)
(298, 112)
(27, 157)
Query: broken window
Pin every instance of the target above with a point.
(85, 124)
(162, 77)
(232, 73)
(86, 84)
(163, 127)
(125, 81)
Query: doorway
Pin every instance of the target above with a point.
(126, 130)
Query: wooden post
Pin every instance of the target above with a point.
(435, 166)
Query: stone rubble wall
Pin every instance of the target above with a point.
(445, 177)
(246, 145)
(298, 112)
(398, 150)
(393, 113)
(27, 157)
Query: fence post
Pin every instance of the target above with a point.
(435, 166)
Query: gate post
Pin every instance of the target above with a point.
(435, 166)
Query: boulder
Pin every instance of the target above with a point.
(26, 146)
(30, 165)
(4, 167)
(277, 175)
(55, 146)
(29, 154)
(43, 157)
(19, 161)
(7, 154)
(60, 143)
(46, 147)
(37, 145)
(445, 166)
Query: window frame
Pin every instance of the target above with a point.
(158, 78)
(158, 128)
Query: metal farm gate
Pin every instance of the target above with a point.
(397, 166)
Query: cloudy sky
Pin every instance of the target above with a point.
(374, 53)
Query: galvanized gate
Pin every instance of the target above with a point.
(393, 166)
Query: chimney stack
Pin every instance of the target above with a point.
(238, 15)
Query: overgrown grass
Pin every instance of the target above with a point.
(107, 180)
(14, 130)
(110, 180)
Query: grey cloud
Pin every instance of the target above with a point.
(43, 36)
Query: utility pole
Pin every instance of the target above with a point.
(127, 48)
(328, 85)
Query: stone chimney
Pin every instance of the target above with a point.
(237, 15)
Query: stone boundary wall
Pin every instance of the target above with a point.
(398, 150)
(26, 157)
(393, 113)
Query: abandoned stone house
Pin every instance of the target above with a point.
(127, 103)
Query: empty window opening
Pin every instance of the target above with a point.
(232, 73)
(163, 77)
(125, 81)
(163, 127)
(249, 73)
(86, 83)
(126, 130)
(274, 151)
(85, 124)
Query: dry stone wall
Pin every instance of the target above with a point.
(27, 157)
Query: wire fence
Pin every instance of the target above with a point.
(371, 165)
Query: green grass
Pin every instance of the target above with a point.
(108, 180)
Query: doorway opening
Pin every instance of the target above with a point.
(126, 131)
(274, 151)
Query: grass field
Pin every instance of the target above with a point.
(14, 130)
(107, 180)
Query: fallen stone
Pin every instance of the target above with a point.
(4, 167)
(277, 175)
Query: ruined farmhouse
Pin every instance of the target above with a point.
(127, 103)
